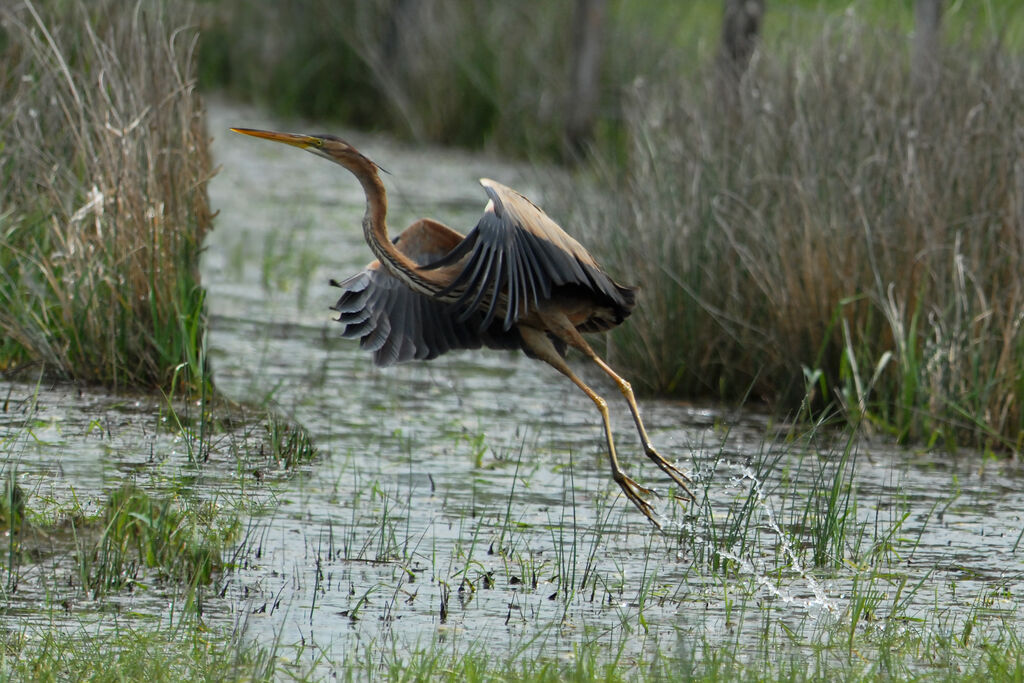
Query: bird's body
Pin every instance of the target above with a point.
(489, 297)
(516, 281)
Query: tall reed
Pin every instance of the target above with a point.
(462, 72)
(103, 202)
(839, 236)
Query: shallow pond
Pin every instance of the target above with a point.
(466, 502)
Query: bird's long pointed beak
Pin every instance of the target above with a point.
(300, 141)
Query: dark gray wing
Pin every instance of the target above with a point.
(398, 324)
(515, 258)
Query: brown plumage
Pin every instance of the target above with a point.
(516, 281)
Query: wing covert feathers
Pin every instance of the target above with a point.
(517, 257)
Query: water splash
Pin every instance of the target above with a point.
(821, 598)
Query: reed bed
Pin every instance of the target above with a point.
(828, 238)
(840, 239)
(428, 71)
(464, 72)
(103, 202)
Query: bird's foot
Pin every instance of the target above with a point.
(672, 471)
(635, 492)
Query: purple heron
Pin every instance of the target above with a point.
(516, 281)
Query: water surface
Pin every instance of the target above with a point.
(467, 502)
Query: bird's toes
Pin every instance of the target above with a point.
(635, 492)
(678, 476)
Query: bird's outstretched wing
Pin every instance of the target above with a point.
(516, 256)
(398, 324)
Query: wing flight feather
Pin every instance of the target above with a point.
(397, 324)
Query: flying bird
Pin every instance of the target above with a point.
(516, 281)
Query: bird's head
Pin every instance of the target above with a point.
(329, 147)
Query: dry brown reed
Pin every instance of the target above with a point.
(840, 238)
(104, 170)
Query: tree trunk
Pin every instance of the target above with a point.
(741, 26)
(588, 34)
(924, 63)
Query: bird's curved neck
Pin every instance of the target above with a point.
(375, 231)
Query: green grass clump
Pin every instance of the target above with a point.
(184, 540)
(103, 203)
(840, 239)
(288, 443)
(136, 653)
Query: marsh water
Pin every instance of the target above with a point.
(466, 502)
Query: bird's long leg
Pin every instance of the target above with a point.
(542, 348)
(566, 331)
(668, 468)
